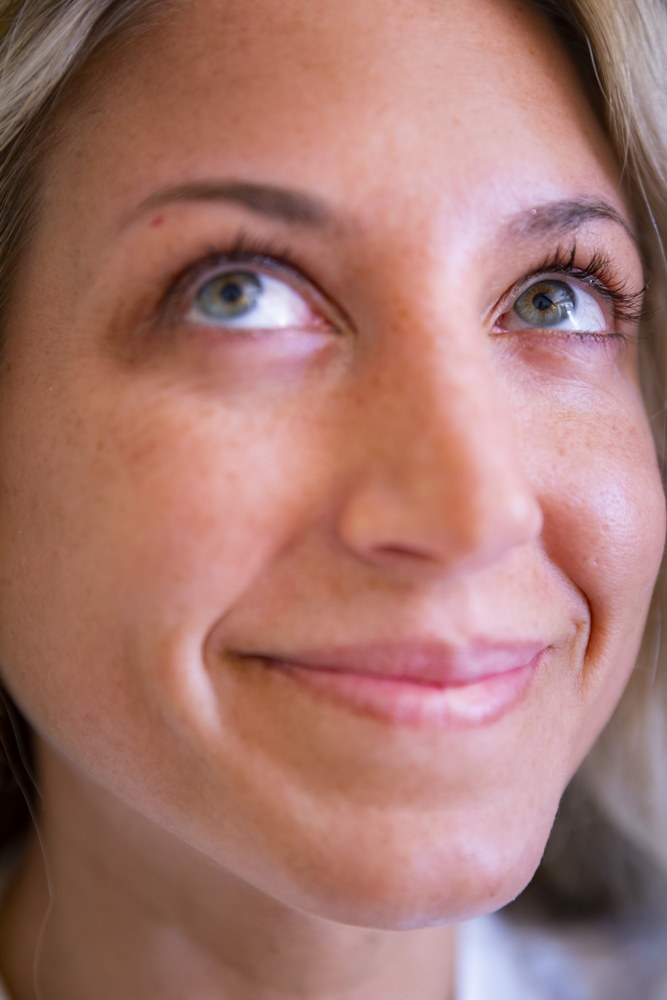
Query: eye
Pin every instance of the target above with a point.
(247, 299)
(554, 304)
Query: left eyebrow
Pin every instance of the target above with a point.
(559, 218)
(291, 206)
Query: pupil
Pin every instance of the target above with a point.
(542, 302)
(231, 293)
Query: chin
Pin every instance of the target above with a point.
(411, 908)
(407, 893)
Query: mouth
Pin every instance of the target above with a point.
(416, 684)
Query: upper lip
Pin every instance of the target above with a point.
(420, 662)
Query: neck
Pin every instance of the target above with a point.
(182, 925)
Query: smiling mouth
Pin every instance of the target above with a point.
(410, 685)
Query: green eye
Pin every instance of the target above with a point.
(546, 303)
(250, 300)
(551, 304)
(229, 296)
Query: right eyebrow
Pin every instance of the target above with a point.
(561, 218)
(287, 205)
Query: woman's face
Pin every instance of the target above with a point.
(321, 364)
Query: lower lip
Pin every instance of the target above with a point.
(411, 703)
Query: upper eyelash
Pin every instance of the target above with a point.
(246, 249)
(598, 272)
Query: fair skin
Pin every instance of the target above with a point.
(403, 464)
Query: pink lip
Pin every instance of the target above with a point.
(419, 684)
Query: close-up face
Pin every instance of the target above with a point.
(331, 512)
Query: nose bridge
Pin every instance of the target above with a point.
(439, 474)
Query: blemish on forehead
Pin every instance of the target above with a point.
(157, 221)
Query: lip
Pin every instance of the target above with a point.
(424, 684)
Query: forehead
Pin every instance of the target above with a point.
(442, 104)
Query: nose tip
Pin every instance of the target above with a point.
(450, 495)
(450, 532)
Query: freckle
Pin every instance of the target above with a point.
(157, 221)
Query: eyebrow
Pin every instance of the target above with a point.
(286, 205)
(562, 217)
(294, 207)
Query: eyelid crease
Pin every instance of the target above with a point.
(240, 253)
(270, 255)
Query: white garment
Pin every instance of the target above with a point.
(502, 960)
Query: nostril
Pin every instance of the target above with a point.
(404, 552)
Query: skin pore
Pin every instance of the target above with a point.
(392, 454)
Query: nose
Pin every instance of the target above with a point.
(437, 479)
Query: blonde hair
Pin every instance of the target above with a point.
(43, 44)
(613, 819)
(610, 836)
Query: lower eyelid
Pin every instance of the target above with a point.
(565, 354)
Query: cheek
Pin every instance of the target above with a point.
(604, 510)
(132, 528)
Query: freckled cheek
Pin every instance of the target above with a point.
(605, 516)
(130, 533)
(209, 504)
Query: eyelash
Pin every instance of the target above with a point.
(271, 254)
(598, 273)
(274, 255)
